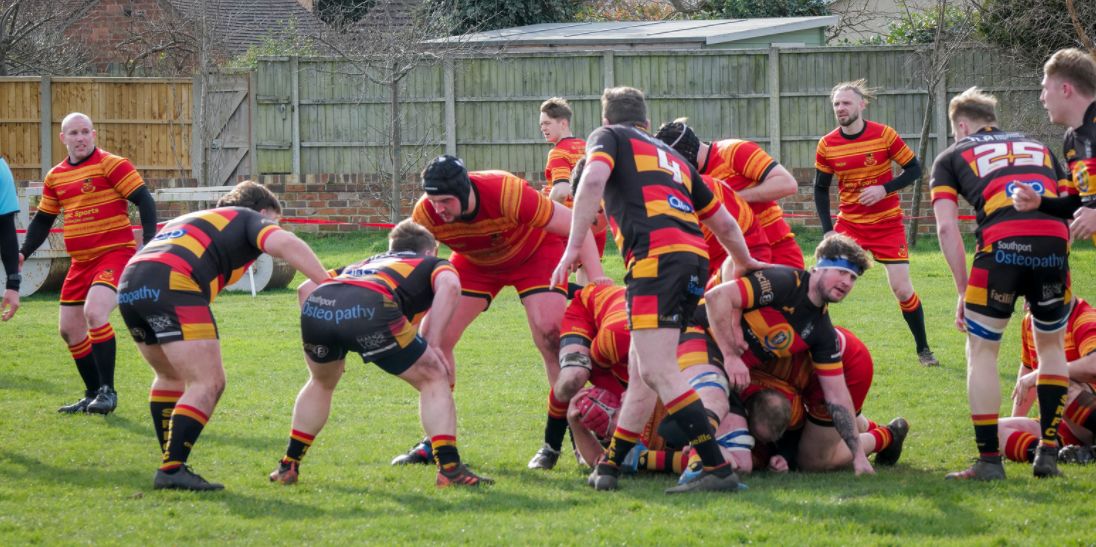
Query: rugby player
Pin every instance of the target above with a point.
(371, 308)
(1080, 345)
(776, 313)
(1019, 254)
(860, 153)
(1069, 96)
(91, 187)
(164, 296)
(655, 201)
(748, 170)
(502, 233)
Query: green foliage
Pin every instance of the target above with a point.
(735, 9)
(482, 15)
(1034, 29)
(920, 28)
(80, 479)
(285, 41)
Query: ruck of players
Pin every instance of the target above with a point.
(714, 356)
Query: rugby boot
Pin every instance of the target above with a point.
(286, 473)
(80, 406)
(1075, 453)
(927, 359)
(899, 428)
(545, 458)
(105, 401)
(183, 479)
(604, 477)
(419, 454)
(461, 476)
(1046, 462)
(720, 479)
(984, 469)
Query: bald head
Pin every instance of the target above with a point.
(78, 136)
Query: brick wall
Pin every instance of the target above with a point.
(355, 199)
(111, 22)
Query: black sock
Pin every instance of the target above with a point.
(914, 314)
(186, 425)
(161, 403)
(691, 415)
(85, 364)
(103, 346)
(1051, 390)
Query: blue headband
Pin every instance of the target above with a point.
(841, 263)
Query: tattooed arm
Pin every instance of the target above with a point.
(839, 403)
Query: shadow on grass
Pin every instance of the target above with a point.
(26, 383)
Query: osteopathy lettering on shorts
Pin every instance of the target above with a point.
(137, 295)
(1051, 261)
(324, 312)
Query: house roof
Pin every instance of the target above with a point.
(243, 23)
(695, 33)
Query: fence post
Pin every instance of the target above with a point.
(607, 69)
(774, 103)
(295, 94)
(253, 128)
(45, 131)
(450, 107)
(197, 130)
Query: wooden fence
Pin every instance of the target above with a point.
(148, 120)
(314, 116)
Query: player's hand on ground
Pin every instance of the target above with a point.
(1024, 198)
(1084, 223)
(861, 466)
(777, 464)
(960, 315)
(872, 194)
(10, 304)
(1024, 389)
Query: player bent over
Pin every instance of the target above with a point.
(776, 313)
(164, 297)
(594, 342)
(369, 309)
(1019, 254)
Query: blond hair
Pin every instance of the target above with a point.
(1075, 66)
(860, 87)
(974, 105)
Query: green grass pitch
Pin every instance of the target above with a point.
(88, 479)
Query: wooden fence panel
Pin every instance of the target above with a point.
(147, 120)
(20, 120)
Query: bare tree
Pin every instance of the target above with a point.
(160, 45)
(32, 36)
(934, 62)
(384, 48)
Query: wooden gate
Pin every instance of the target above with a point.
(223, 128)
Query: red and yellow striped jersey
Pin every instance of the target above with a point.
(208, 250)
(561, 160)
(743, 164)
(405, 277)
(860, 161)
(743, 215)
(1080, 335)
(654, 198)
(504, 230)
(92, 195)
(597, 318)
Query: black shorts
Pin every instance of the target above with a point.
(156, 314)
(663, 291)
(1036, 268)
(338, 318)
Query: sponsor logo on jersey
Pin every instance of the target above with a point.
(679, 204)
